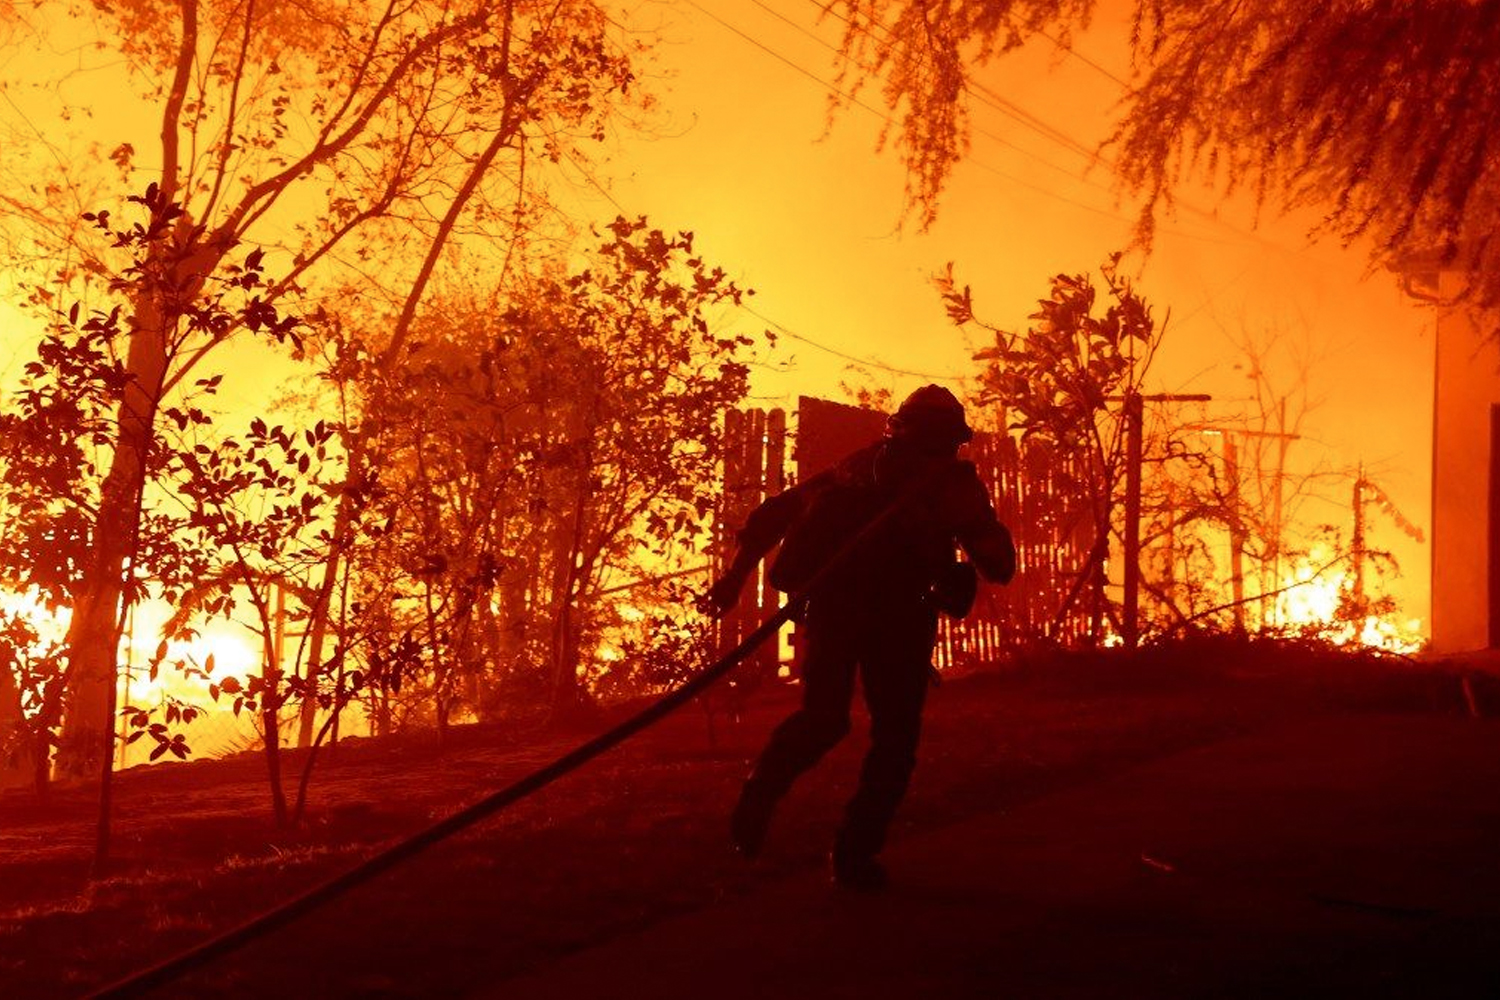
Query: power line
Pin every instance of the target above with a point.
(854, 101)
(984, 95)
(979, 130)
(593, 182)
(989, 98)
(1208, 299)
(782, 328)
(864, 362)
(1019, 114)
(980, 93)
(1069, 50)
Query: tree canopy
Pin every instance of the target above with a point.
(348, 141)
(1378, 113)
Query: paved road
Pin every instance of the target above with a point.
(1356, 856)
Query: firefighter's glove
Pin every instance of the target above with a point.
(955, 589)
(723, 595)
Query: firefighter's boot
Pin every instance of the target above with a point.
(751, 818)
(858, 872)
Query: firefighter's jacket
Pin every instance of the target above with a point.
(942, 501)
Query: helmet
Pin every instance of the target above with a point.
(931, 415)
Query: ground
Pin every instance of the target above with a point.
(1336, 857)
(1272, 781)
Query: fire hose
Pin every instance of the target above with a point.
(151, 977)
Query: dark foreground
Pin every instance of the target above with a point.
(1209, 820)
(1342, 857)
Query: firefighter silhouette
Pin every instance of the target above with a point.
(903, 502)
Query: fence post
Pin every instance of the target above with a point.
(1129, 623)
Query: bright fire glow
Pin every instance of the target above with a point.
(50, 626)
(229, 644)
(234, 655)
(1311, 599)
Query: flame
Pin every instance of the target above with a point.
(1312, 596)
(50, 626)
(224, 641)
(224, 644)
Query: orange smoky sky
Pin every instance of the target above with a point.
(809, 215)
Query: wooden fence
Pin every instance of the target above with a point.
(754, 469)
(1030, 490)
(1050, 522)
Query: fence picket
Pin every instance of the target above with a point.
(1033, 493)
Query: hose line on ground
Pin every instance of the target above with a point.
(151, 977)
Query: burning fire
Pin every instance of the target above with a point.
(223, 641)
(1311, 597)
(50, 626)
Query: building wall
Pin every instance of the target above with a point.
(1467, 373)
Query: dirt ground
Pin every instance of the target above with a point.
(630, 841)
(1335, 856)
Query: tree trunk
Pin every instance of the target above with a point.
(564, 670)
(15, 758)
(271, 721)
(319, 618)
(93, 639)
(567, 693)
(381, 716)
(320, 614)
(175, 274)
(493, 653)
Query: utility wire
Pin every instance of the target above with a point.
(1019, 114)
(782, 328)
(854, 101)
(1070, 50)
(986, 95)
(864, 362)
(977, 129)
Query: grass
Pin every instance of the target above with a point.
(633, 837)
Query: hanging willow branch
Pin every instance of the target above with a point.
(1379, 113)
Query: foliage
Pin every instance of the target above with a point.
(31, 676)
(61, 423)
(1063, 384)
(544, 441)
(1379, 115)
(660, 644)
(862, 394)
(51, 435)
(253, 507)
(359, 111)
(1061, 381)
(923, 54)
(1278, 566)
(1057, 378)
(303, 131)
